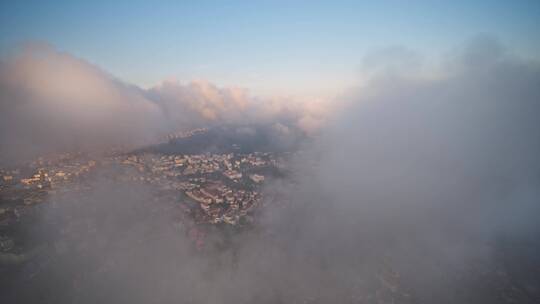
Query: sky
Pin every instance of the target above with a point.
(286, 48)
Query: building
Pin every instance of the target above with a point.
(232, 174)
(257, 178)
(199, 196)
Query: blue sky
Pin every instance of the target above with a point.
(271, 47)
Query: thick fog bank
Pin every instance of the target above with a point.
(424, 189)
(438, 176)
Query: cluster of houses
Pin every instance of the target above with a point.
(216, 182)
(223, 204)
(49, 176)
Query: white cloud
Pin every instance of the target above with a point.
(53, 101)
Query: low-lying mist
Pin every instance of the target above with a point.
(422, 189)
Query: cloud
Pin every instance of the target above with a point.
(208, 104)
(433, 178)
(52, 101)
(419, 190)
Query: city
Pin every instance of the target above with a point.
(209, 189)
